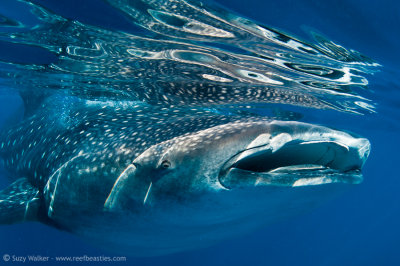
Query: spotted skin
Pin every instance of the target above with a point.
(94, 141)
(19, 202)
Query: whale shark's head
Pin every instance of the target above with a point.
(238, 158)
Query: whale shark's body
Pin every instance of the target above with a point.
(148, 181)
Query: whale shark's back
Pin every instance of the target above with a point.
(63, 127)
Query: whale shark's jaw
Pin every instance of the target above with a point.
(287, 162)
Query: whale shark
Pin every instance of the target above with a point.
(145, 180)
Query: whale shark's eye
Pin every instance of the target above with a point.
(166, 164)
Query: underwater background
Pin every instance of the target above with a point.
(358, 227)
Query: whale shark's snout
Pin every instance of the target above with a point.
(296, 154)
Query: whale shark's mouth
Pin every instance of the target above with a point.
(296, 163)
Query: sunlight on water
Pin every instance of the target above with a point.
(191, 55)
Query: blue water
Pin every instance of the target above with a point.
(358, 227)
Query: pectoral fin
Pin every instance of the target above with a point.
(19, 202)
